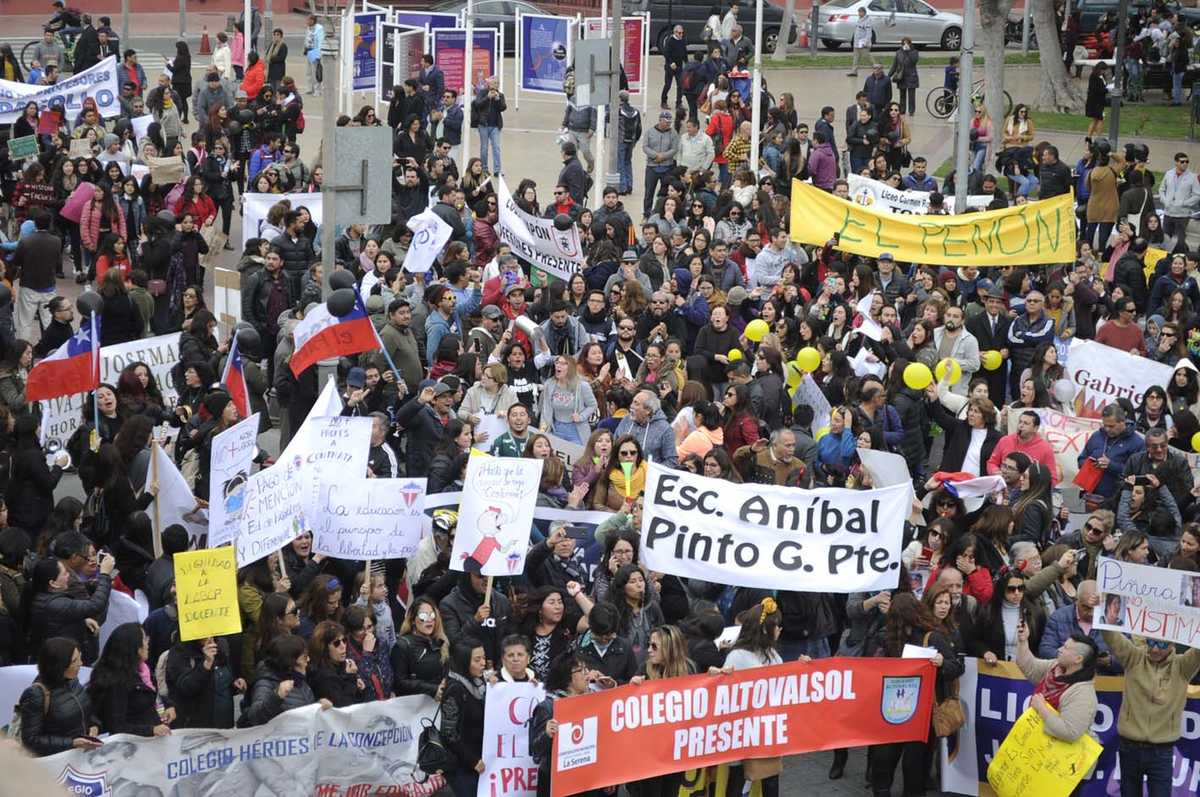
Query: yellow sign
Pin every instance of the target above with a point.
(1151, 258)
(1031, 761)
(1031, 234)
(206, 593)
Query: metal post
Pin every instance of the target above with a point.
(813, 19)
(331, 65)
(1026, 21)
(268, 20)
(124, 23)
(616, 50)
(1118, 92)
(468, 86)
(966, 64)
(182, 18)
(756, 89)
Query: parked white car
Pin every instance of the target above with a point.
(892, 20)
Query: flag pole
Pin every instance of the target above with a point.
(386, 356)
(96, 372)
(157, 531)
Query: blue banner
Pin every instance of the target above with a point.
(994, 697)
(545, 53)
(418, 19)
(366, 40)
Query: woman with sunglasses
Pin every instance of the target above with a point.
(1033, 513)
(281, 682)
(419, 656)
(612, 490)
(993, 634)
(332, 673)
(570, 676)
(278, 616)
(740, 424)
(924, 553)
(667, 658)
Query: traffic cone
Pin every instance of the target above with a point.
(205, 44)
(804, 39)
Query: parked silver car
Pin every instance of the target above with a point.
(892, 20)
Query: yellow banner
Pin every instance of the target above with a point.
(1032, 234)
(206, 593)
(1030, 761)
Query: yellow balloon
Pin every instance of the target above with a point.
(756, 329)
(734, 355)
(809, 359)
(824, 430)
(794, 375)
(955, 370)
(1196, 441)
(992, 360)
(917, 376)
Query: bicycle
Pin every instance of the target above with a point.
(941, 102)
(68, 53)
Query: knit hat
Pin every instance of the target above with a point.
(215, 402)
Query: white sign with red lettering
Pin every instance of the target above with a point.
(508, 768)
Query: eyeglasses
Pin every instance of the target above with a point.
(1015, 588)
(628, 453)
(935, 533)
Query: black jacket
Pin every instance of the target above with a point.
(129, 708)
(417, 667)
(462, 725)
(1130, 273)
(335, 685)
(488, 112)
(31, 489)
(123, 321)
(59, 614)
(35, 259)
(618, 662)
(910, 405)
(447, 213)
(459, 607)
(1055, 178)
(424, 431)
(265, 703)
(958, 439)
(256, 293)
(56, 334)
(49, 727)
(575, 179)
(203, 698)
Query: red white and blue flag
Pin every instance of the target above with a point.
(73, 367)
(322, 335)
(234, 380)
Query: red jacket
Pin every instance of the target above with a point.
(255, 79)
(104, 263)
(485, 242)
(741, 431)
(89, 225)
(723, 122)
(202, 209)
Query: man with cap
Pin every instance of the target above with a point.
(424, 420)
(482, 339)
(629, 272)
(897, 290)
(213, 95)
(112, 153)
(402, 345)
(572, 175)
(990, 329)
(442, 321)
(660, 147)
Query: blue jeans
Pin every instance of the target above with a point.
(492, 135)
(1149, 761)
(1177, 87)
(1026, 183)
(625, 167)
(978, 156)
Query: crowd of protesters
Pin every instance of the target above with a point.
(645, 355)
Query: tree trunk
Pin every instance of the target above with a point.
(1057, 92)
(785, 31)
(989, 39)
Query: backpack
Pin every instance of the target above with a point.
(300, 120)
(690, 80)
(95, 516)
(432, 753)
(14, 725)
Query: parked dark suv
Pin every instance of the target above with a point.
(692, 14)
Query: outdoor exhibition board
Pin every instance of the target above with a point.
(545, 48)
(448, 46)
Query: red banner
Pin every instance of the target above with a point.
(635, 732)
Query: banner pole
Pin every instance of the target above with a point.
(367, 580)
(487, 595)
(157, 530)
(519, 72)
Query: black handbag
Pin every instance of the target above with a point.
(432, 753)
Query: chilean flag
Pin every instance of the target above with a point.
(322, 335)
(235, 381)
(73, 367)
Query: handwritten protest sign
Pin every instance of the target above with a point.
(1066, 434)
(233, 453)
(1030, 234)
(755, 535)
(1148, 601)
(363, 519)
(1031, 761)
(206, 593)
(494, 518)
(1102, 374)
(508, 768)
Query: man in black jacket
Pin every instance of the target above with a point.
(444, 210)
(60, 329)
(87, 48)
(487, 115)
(1053, 174)
(424, 419)
(572, 175)
(603, 649)
(266, 295)
(294, 249)
(1130, 272)
(674, 57)
(990, 328)
(34, 262)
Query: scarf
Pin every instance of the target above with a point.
(1052, 687)
(474, 686)
(637, 484)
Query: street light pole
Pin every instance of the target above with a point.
(616, 43)
(1118, 92)
(966, 65)
(756, 89)
(468, 84)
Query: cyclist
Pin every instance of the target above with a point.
(68, 22)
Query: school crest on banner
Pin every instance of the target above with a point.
(900, 699)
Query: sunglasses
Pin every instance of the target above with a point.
(1015, 588)
(426, 617)
(1157, 644)
(1093, 529)
(628, 453)
(339, 642)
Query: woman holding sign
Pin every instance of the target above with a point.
(1065, 695)
(668, 658)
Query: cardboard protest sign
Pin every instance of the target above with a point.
(233, 452)
(206, 593)
(498, 499)
(508, 767)
(754, 535)
(673, 724)
(1031, 761)
(1066, 434)
(1148, 601)
(1102, 374)
(361, 519)
(23, 147)
(166, 171)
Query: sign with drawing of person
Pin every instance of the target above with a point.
(496, 513)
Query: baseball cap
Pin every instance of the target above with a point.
(630, 256)
(886, 256)
(441, 389)
(357, 377)
(516, 286)
(492, 311)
